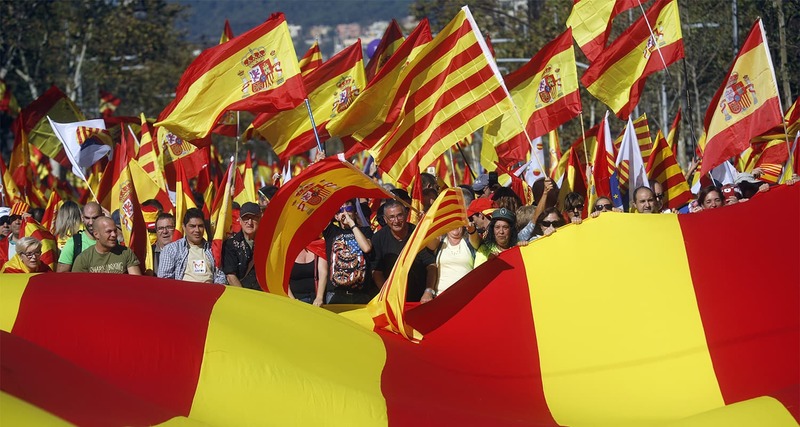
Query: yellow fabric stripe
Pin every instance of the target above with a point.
(589, 19)
(755, 66)
(613, 87)
(17, 412)
(523, 94)
(610, 346)
(277, 374)
(10, 296)
(761, 411)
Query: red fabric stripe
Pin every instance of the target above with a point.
(38, 109)
(554, 115)
(749, 303)
(56, 385)
(504, 359)
(134, 336)
(540, 60)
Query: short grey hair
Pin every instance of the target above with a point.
(24, 244)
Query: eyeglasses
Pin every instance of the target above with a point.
(395, 218)
(660, 196)
(348, 208)
(548, 224)
(606, 207)
(30, 255)
(577, 207)
(165, 228)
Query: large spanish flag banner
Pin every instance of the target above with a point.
(299, 211)
(545, 91)
(452, 87)
(446, 213)
(372, 114)
(332, 88)
(256, 71)
(590, 21)
(618, 75)
(516, 342)
(746, 105)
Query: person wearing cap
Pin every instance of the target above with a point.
(501, 235)
(5, 224)
(237, 251)
(478, 214)
(106, 255)
(481, 186)
(190, 258)
(8, 245)
(82, 240)
(749, 185)
(265, 194)
(164, 228)
(387, 244)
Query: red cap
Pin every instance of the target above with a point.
(481, 204)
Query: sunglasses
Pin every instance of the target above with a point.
(548, 224)
(577, 207)
(659, 196)
(347, 209)
(606, 207)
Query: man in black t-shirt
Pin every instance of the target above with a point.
(387, 245)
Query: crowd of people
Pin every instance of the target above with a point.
(358, 248)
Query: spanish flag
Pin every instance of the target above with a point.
(545, 91)
(256, 71)
(333, 87)
(49, 246)
(446, 213)
(618, 74)
(515, 342)
(746, 105)
(311, 60)
(227, 33)
(662, 167)
(390, 42)
(590, 21)
(375, 110)
(451, 87)
(299, 212)
(222, 215)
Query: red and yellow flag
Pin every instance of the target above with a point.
(311, 60)
(54, 203)
(222, 215)
(256, 71)
(374, 111)
(451, 87)
(148, 155)
(642, 128)
(591, 20)
(618, 75)
(108, 104)
(299, 212)
(8, 103)
(49, 246)
(332, 88)
(545, 91)
(34, 124)
(390, 42)
(227, 33)
(663, 168)
(746, 105)
(184, 199)
(131, 219)
(387, 310)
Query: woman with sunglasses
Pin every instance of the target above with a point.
(573, 207)
(28, 258)
(346, 244)
(547, 223)
(602, 204)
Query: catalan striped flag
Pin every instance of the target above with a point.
(34, 124)
(332, 89)
(390, 42)
(108, 104)
(387, 309)
(32, 228)
(148, 155)
(604, 171)
(516, 342)
(642, 129)
(311, 60)
(54, 203)
(746, 105)
(663, 167)
(256, 71)
(451, 87)
(301, 209)
(590, 21)
(545, 91)
(771, 160)
(618, 74)
(375, 110)
(630, 154)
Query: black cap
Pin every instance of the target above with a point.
(249, 208)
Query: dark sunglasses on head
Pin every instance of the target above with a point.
(606, 207)
(347, 209)
(547, 224)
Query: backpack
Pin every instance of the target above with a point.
(77, 245)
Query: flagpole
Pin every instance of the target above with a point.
(452, 167)
(689, 107)
(466, 162)
(238, 139)
(655, 42)
(314, 126)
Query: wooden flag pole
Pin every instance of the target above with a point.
(466, 162)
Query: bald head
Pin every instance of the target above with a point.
(91, 212)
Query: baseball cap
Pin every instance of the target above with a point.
(249, 208)
(481, 182)
(746, 177)
(482, 204)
